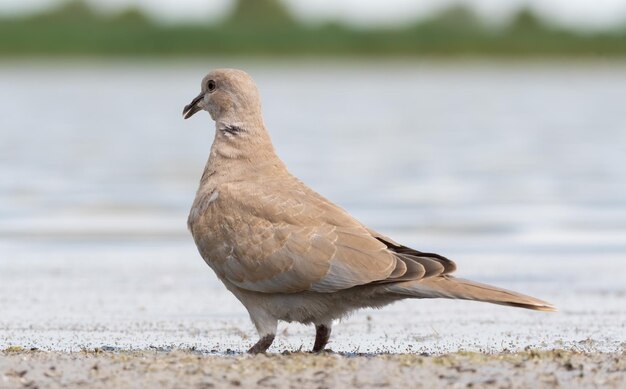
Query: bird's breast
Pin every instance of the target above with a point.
(201, 209)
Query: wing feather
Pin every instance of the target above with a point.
(292, 241)
(281, 237)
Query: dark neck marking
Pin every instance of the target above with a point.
(232, 129)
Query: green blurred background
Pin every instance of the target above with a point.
(271, 27)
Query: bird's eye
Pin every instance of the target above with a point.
(211, 85)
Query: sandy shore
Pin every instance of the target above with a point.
(188, 369)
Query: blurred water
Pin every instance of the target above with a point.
(516, 171)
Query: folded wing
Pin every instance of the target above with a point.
(289, 239)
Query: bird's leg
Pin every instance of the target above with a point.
(262, 345)
(322, 334)
(266, 327)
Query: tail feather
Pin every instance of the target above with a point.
(458, 288)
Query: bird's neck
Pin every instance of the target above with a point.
(241, 150)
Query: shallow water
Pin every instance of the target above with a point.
(517, 172)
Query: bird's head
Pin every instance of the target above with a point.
(229, 95)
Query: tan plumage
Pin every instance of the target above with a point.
(286, 252)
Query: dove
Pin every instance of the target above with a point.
(286, 252)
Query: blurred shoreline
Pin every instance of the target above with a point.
(303, 63)
(267, 29)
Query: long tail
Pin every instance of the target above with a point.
(458, 288)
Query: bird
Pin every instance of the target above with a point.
(286, 252)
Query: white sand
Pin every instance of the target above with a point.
(69, 297)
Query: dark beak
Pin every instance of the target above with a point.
(192, 107)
